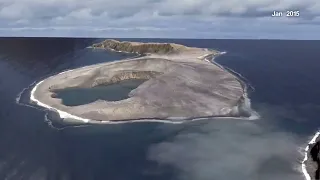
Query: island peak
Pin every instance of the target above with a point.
(141, 47)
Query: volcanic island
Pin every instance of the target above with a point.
(179, 83)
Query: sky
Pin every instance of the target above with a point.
(213, 19)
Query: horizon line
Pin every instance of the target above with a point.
(89, 37)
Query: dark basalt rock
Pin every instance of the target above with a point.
(141, 48)
(314, 153)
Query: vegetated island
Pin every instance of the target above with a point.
(179, 83)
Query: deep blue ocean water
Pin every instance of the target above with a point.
(284, 74)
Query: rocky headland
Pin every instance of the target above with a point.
(312, 161)
(180, 83)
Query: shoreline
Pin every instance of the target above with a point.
(65, 115)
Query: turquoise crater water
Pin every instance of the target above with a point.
(113, 92)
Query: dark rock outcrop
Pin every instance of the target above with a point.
(141, 48)
(314, 153)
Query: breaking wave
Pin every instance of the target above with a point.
(306, 151)
(244, 106)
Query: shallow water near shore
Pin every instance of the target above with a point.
(286, 97)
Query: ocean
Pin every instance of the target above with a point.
(285, 92)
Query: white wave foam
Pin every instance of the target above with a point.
(303, 165)
(247, 101)
(240, 76)
(247, 104)
(23, 90)
(65, 115)
(62, 114)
